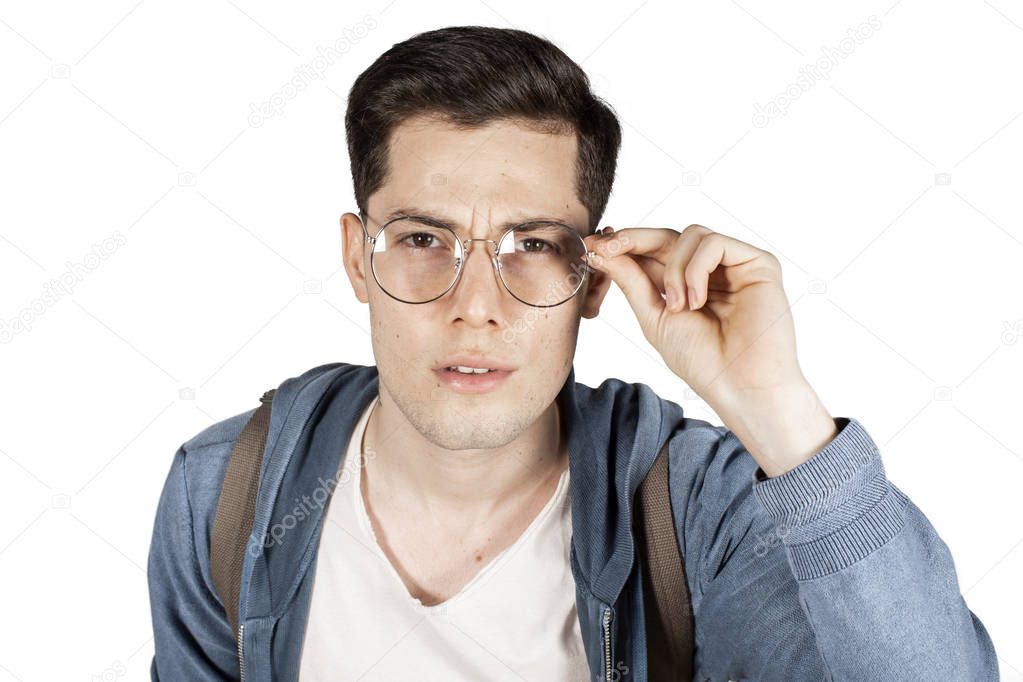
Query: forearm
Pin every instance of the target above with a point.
(780, 427)
(876, 582)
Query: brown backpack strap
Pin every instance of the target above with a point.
(666, 598)
(236, 508)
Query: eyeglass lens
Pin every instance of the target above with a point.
(541, 264)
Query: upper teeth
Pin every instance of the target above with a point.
(469, 370)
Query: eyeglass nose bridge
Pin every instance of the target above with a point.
(466, 249)
(467, 242)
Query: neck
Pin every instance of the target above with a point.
(423, 477)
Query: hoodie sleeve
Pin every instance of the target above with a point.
(827, 571)
(191, 634)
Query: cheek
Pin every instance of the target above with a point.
(555, 336)
(400, 340)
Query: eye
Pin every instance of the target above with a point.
(535, 245)
(418, 239)
(543, 239)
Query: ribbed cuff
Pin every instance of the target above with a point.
(835, 508)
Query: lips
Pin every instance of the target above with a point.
(471, 383)
(475, 360)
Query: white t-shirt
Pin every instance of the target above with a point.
(514, 620)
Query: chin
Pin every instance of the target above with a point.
(472, 424)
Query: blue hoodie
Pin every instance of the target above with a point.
(825, 572)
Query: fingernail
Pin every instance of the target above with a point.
(672, 298)
(692, 298)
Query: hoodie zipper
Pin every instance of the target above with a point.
(266, 397)
(241, 655)
(607, 644)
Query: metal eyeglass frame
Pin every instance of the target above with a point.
(463, 249)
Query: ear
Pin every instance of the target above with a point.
(353, 247)
(593, 296)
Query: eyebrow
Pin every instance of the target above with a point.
(429, 218)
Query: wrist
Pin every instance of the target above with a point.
(781, 427)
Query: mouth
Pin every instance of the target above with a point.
(466, 379)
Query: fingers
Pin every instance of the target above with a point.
(636, 283)
(654, 242)
(654, 269)
(681, 253)
(706, 256)
(663, 260)
(714, 249)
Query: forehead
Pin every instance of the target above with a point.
(500, 171)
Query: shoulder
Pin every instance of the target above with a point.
(206, 454)
(205, 457)
(211, 447)
(223, 431)
(203, 464)
(697, 444)
(179, 549)
(711, 473)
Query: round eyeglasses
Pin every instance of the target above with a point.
(542, 263)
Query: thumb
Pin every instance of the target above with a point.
(639, 290)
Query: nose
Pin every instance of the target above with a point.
(476, 297)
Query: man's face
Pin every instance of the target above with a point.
(478, 179)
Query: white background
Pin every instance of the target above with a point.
(889, 191)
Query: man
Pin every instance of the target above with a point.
(463, 509)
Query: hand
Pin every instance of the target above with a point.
(728, 334)
(735, 335)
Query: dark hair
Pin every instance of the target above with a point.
(470, 76)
